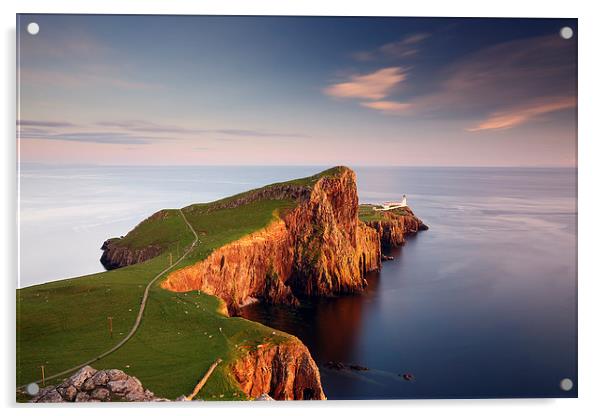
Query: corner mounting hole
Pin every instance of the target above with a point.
(32, 389)
(566, 32)
(566, 384)
(33, 28)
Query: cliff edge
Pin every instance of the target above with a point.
(285, 371)
(316, 248)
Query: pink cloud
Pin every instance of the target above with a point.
(387, 107)
(515, 117)
(403, 48)
(374, 86)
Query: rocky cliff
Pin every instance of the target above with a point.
(394, 225)
(285, 372)
(121, 251)
(318, 248)
(115, 255)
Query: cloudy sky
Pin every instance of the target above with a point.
(196, 90)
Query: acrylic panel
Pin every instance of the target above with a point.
(296, 208)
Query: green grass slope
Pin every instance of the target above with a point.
(367, 213)
(64, 323)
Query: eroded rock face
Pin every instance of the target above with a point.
(393, 229)
(318, 249)
(333, 251)
(284, 372)
(90, 385)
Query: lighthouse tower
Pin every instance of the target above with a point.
(404, 201)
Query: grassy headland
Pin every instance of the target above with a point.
(64, 323)
(367, 213)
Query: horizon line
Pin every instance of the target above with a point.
(19, 163)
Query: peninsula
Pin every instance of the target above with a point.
(178, 280)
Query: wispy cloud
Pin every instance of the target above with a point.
(405, 47)
(388, 107)
(150, 127)
(44, 123)
(255, 133)
(147, 126)
(88, 136)
(373, 86)
(515, 117)
(131, 132)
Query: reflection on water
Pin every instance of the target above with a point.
(481, 305)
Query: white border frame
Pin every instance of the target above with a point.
(590, 173)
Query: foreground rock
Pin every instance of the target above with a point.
(90, 385)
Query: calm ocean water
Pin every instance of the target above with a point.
(483, 304)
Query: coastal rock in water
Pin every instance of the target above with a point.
(90, 385)
(284, 372)
(319, 248)
(337, 365)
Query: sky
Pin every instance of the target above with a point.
(217, 90)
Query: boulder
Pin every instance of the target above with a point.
(48, 395)
(78, 379)
(90, 385)
(101, 394)
(82, 397)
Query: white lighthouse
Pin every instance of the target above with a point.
(389, 205)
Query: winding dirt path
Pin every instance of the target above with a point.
(138, 318)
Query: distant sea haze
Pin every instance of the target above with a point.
(483, 304)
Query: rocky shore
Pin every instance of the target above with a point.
(395, 225)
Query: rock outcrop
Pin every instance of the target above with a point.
(319, 248)
(90, 385)
(115, 255)
(284, 371)
(394, 226)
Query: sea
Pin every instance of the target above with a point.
(481, 305)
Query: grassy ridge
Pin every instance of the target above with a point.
(64, 323)
(164, 229)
